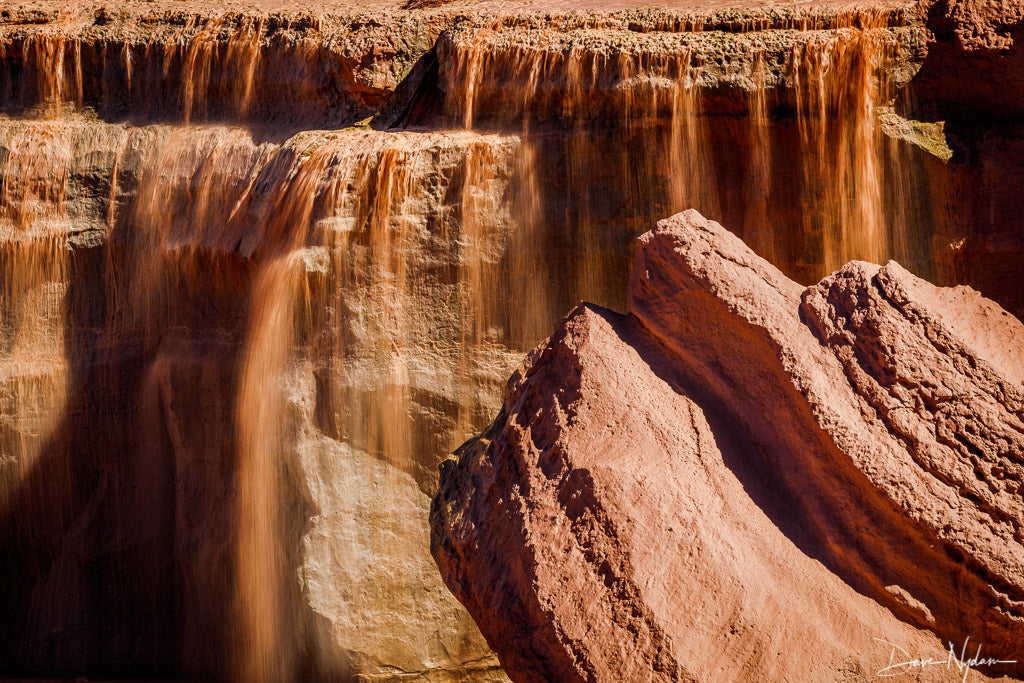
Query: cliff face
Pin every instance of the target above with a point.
(171, 333)
(808, 478)
(263, 266)
(972, 79)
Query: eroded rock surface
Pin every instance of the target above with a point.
(199, 282)
(974, 67)
(743, 479)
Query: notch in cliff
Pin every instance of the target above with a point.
(743, 479)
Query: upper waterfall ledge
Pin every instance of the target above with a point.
(276, 64)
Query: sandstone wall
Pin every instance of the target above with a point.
(264, 266)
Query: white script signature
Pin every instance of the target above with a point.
(900, 661)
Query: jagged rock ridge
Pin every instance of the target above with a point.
(743, 479)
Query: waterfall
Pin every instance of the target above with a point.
(241, 325)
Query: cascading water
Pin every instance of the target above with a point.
(687, 123)
(35, 228)
(234, 350)
(227, 262)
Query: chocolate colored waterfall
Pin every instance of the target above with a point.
(691, 125)
(239, 331)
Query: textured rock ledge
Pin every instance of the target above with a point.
(741, 480)
(277, 64)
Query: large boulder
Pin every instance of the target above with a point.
(743, 479)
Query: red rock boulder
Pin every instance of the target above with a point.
(745, 480)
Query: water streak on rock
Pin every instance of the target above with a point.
(669, 94)
(228, 269)
(238, 329)
(34, 232)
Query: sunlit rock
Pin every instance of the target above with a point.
(812, 480)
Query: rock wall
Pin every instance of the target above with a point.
(264, 266)
(157, 282)
(972, 81)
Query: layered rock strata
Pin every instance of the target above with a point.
(257, 280)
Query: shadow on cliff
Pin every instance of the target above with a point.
(89, 585)
(117, 551)
(868, 544)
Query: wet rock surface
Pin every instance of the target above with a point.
(265, 263)
(132, 255)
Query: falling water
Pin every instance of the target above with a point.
(224, 65)
(353, 209)
(655, 112)
(34, 229)
(838, 91)
(231, 354)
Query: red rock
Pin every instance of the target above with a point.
(973, 70)
(741, 480)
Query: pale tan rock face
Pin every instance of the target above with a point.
(367, 572)
(720, 467)
(134, 320)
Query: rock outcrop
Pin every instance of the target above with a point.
(263, 264)
(975, 65)
(743, 479)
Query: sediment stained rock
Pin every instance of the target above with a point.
(973, 79)
(975, 68)
(204, 62)
(136, 261)
(193, 273)
(743, 479)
